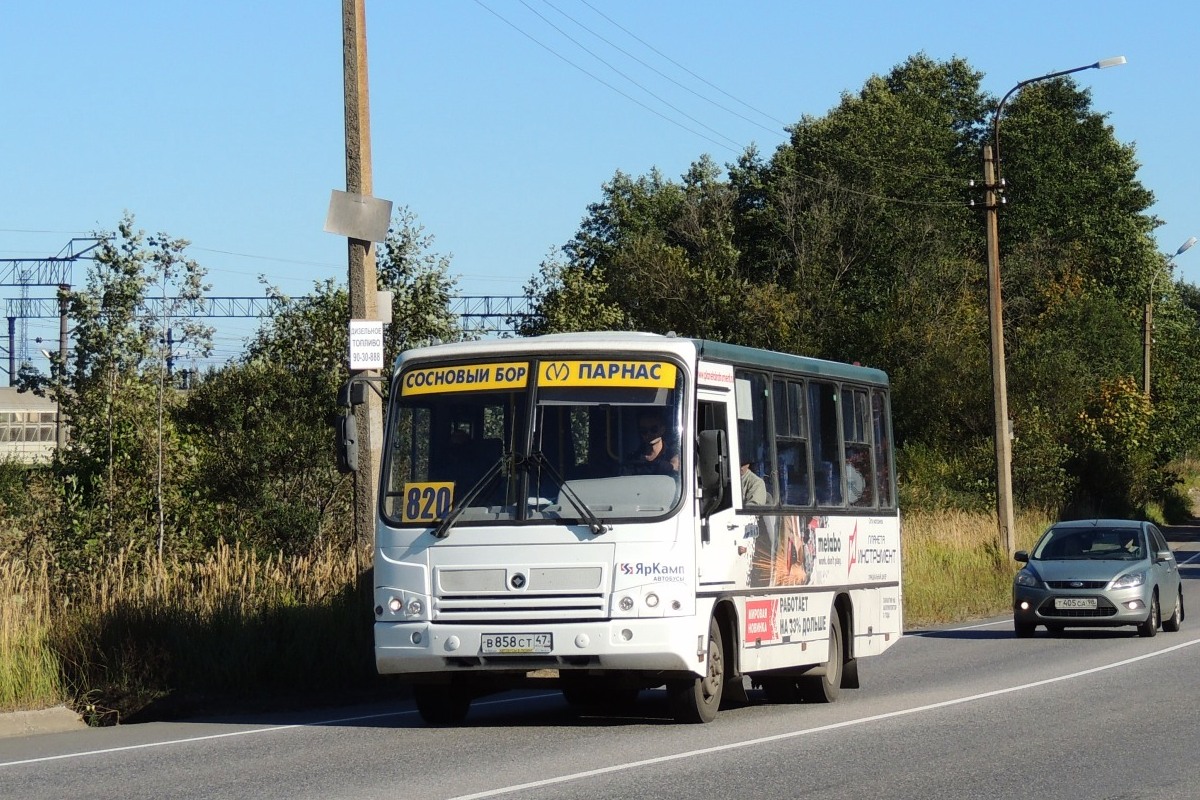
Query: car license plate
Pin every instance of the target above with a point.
(1075, 602)
(517, 643)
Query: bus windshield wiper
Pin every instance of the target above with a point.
(587, 516)
(481, 486)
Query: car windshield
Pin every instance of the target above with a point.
(1124, 544)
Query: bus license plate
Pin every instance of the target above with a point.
(1075, 602)
(517, 643)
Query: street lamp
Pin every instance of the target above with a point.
(994, 184)
(1149, 317)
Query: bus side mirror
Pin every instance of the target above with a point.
(345, 441)
(713, 467)
(352, 393)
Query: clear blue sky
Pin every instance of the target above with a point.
(495, 121)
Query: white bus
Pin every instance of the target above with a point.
(527, 533)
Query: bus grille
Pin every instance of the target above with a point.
(519, 593)
(527, 607)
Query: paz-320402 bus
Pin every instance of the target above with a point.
(613, 512)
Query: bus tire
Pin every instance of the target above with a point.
(442, 705)
(697, 700)
(826, 688)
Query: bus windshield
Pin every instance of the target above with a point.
(579, 450)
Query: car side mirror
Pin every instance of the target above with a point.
(1022, 556)
(1163, 555)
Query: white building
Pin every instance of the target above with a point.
(27, 426)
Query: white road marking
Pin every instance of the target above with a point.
(809, 731)
(250, 732)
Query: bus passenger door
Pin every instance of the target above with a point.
(722, 555)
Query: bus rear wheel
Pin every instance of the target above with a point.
(442, 705)
(697, 700)
(826, 687)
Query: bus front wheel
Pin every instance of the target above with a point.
(698, 699)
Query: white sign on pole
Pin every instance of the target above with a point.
(366, 344)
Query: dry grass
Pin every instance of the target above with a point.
(954, 568)
(144, 629)
(29, 670)
(232, 624)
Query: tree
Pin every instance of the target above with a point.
(421, 286)
(854, 241)
(262, 425)
(114, 389)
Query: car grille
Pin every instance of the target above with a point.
(1077, 584)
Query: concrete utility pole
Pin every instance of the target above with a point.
(362, 278)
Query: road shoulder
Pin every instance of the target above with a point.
(47, 720)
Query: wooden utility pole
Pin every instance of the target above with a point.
(363, 283)
(1004, 503)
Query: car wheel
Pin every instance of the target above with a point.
(1173, 622)
(1150, 626)
(1023, 629)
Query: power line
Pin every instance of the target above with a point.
(598, 79)
(686, 88)
(594, 55)
(681, 66)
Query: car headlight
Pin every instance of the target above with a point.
(1129, 581)
(1026, 578)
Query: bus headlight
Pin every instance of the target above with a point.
(415, 607)
(626, 603)
(395, 604)
(651, 600)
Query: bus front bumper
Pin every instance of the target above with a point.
(662, 644)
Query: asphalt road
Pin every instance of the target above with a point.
(962, 712)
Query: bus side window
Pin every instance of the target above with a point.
(712, 417)
(754, 445)
(791, 442)
(860, 474)
(883, 449)
(826, 444)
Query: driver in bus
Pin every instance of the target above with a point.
(656, 455)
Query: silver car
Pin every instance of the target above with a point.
(1098, 572)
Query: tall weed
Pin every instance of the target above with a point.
(954, 567)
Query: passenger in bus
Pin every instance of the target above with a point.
(754, 489)
(856, 483)
(656, 455)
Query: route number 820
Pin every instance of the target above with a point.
(427, 502)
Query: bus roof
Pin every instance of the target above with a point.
(770, 359)
(614, 340)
